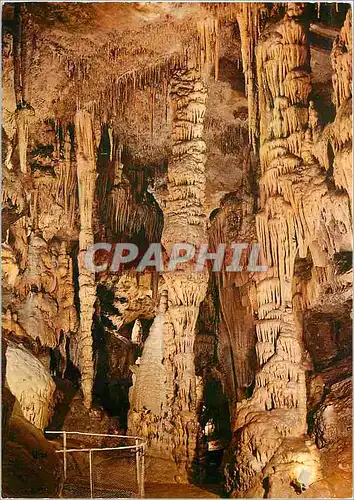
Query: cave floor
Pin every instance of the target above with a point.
(152, 490)
(115, 477)
(174, 490)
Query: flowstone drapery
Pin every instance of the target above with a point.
(236, 292)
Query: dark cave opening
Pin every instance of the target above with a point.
(216, 431)
(111, 389)
(115, 354)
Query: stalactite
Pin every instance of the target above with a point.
(248, 20)
(12, 191)
(127, 216)
(276, 65)
(22, 133)
(86, 175)
(17, 55)
(217, 49)
(67, 182)
(22, 59)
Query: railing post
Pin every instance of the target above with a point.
(138, 447)
(137, 462)
(91, 478)
(142, 484)
(64, 454)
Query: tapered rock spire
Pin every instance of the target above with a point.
(86, 175)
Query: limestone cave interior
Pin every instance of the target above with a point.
(171, 123)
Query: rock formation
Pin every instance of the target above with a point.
(168, 138)
(285, 225)
(86, 178)
(184, 222)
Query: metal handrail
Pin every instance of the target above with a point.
(95, 434)
(138, 447)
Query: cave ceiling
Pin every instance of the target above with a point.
(94, 52)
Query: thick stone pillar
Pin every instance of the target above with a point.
(170, 422)
(284, 73)
(276, 412)
(184, 221)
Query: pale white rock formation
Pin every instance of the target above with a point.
(137, 332)
(149, 389)
(30, 383)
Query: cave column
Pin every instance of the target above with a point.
(185, 222)
(167, 414)
(283, 73)
(86, 176)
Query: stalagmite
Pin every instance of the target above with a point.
(67, 177)
(86, 175)
(248, 20)
(137, 332)
(149, 390)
